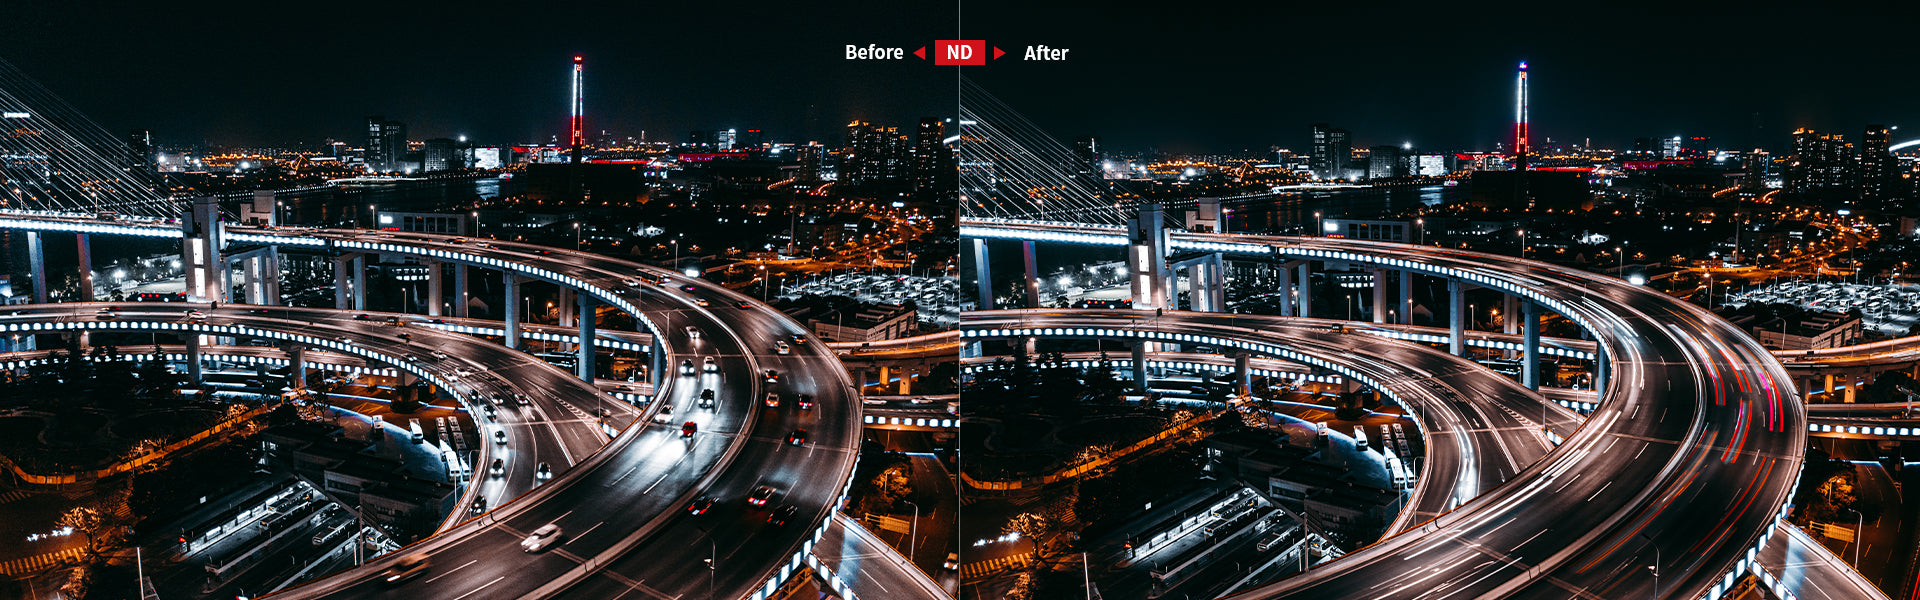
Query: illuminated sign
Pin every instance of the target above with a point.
(486, 158)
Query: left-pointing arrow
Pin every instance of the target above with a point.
(921, 53)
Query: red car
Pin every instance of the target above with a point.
(689, 429)
(700, 506)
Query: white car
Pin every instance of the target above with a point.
(665, 414)
(541, 538)
(710, 365)
(782, 348)
(500, 437)
(693, 332)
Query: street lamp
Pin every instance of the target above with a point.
(1859, 523)
(676, 253)
(576, 235)
(913, 537)
(1420, 232)
(1319, 225)
(1523, 243)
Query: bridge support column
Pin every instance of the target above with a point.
(460, 290)
(200, 246)
(1406, 297)
(1853, 383)
(1379, 295)
(1602, 369)
(1829, 389)
(983, 272)
(1286, 291)
(587, 323)
(272, 279)
(657, 364)
(84, 248)
(37, 262)
(341, 282)
(297, 367)
(1306, 288)
(1147, 260)
(193, 359)
(1215, 282)
(1243, 373)
(435, 285)
(1031, 273)
(1140, 366)
(360, 282)
(565, 306)
(1530, 366)
(511, 308)
(1457, 317)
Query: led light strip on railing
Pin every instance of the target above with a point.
(1097, 239)
(805, 553)
(1856, 429)
(180, 357)
(232, 330)
(103, 227)
(598, 340)
(909, 421)
(1182, 365)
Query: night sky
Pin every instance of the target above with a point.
(278, 73)
(1221, 77)
(1174, 76)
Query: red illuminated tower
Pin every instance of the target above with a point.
(578, 138)
(1521, 145)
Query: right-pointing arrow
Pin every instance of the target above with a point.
(997, 52)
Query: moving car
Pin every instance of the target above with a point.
(196, 315)
(543, 472)
(700, 506)
(693, 332)
(709, 364)
(743, 305)
(805, 401)
(798, 437)
(408, 567)
(799, 338)
(781, 515)
(499, 467)
(665, 414)
(105, 313)
(760, 495)
(522, 399)
(479, 505)
(706, 398)
(547, 535)
(500, 437)
(686, 367)
(773, 376)
(689, 429)
(773, 400)
(952, 563)
(782, 348)
(702, 302)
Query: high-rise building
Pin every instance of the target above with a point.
(874, 155)
(1644, 147)
(723, 138)
(1820, 165)
(812, 158)
(1331, 151)
(1670, 147)
(750, 139)
(577, 136)
(1877, 166)
(933, 168)
(1087, 150)
(386, 144)
(1383, 162)
(140, 144)
(440, 155)
(1522, 144)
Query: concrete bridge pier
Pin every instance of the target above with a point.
(983, 271)
(511, 310)
(1406, 297)
(1306, 288)
(193, 359)
(1031, 273)
(84, 248)
(297, 366)
(1457, 317)
(1379, 295)
(460, 292)
(1530, 365)
(435, 284)
(587, 323)
(1140, 366)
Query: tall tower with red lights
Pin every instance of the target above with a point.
(1521, 144)
(577, 139)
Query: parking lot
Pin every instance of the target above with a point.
(1888, 309)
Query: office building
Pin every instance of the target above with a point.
(386, 145)
(1331, 152)
(1820, 165)
(1877, 166)
(440, 154)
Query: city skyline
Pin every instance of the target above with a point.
(272, 77)
(1214, 79)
